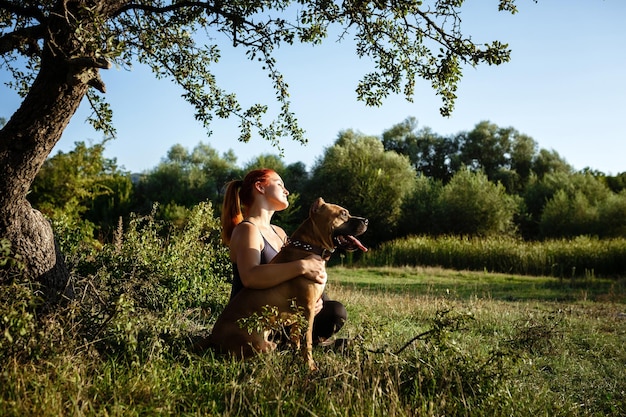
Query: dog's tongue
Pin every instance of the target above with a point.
(357, 243)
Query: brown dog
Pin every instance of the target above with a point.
(327, 227)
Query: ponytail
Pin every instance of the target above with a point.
(239, 193)
(231, 210)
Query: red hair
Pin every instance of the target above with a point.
(240, 193)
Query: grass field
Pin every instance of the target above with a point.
(423, 342)
(464, 285)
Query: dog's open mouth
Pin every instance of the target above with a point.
(349, 243)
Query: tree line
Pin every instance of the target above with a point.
(408, 181)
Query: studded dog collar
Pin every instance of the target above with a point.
(323, 252)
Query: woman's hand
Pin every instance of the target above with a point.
(315, 269)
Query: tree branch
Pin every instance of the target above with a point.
(177, 6)
(216, 8)
(89, 62)
(30, 12)
(22, 37)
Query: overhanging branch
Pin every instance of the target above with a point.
(31, 12)
(214, 8)
(25, 37)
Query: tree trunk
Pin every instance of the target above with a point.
(25, 142)
(32, 239)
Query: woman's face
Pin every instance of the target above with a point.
(275, 192)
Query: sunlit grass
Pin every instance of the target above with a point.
(505, 346)
(439, 282)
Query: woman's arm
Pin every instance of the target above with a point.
(245, 247)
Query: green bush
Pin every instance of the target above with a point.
(161, 267)
(17, 321)
(419, 208)
(612, 216)
(472, 205)
(146, 284)
(145, 293)
(8, 259)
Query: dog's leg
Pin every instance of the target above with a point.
(307, 346)
(291, 329)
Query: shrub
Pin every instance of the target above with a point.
(160, 267)
(568, 216)
(612, 216)
(419, 208)
(472, 205)
(139, 296)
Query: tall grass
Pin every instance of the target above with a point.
(418, 347)
(476, 357)
(579, 257)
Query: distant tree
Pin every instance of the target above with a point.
(220, 169)
(491, 149)
(487, 148)
(616, 183)
(358, 173)
(550, 162)
(419, 209)
(83, 187)
(612, 216)
(574, 208)
(523, 151)
(503, 154)
(536, 194)
(178, 154)
(216, 169)
(174, 180)
(55, 49)
(183, 179)
(593, 188)
(506, 155)
(402, 138)
(472, 205)
(567, 215)
(296, 177)
(432, 155)
(274, 162)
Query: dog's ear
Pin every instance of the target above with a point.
(317, 204)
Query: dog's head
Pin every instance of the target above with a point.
(336, 227)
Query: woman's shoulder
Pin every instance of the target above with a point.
(245, 227)
(246, 223)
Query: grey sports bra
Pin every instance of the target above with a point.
(267, 254)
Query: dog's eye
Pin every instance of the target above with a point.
(344, 213)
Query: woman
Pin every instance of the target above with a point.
(249, 205)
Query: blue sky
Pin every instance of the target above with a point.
(565, 87)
